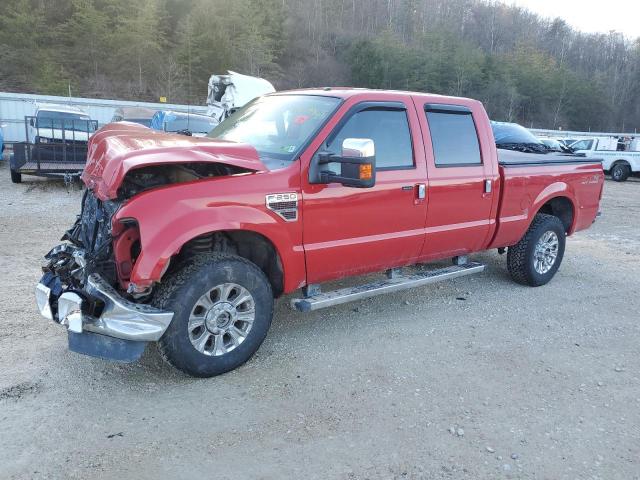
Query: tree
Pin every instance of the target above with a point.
(533, 70)
(21, 46)
(83, 36)
(140, 38)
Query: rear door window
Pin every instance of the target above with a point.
(454, 136)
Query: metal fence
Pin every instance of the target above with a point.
(14, 107)
(573, 134)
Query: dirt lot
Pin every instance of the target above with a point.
(476, 378)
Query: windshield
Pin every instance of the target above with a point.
(191, 123)
(277, 126)
(512, 133)
(64, 121)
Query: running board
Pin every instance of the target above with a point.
(394, 284)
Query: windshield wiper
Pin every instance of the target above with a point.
(523, 147)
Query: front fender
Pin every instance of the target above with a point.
(170, 217)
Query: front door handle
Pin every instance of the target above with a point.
(487, 186)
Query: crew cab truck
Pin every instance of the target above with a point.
(187, 241)
(619, 164)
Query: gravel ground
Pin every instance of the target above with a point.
(474, 378)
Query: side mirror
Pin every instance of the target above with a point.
(357, 164)
(32, 122)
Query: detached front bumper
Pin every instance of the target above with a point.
(100, 322)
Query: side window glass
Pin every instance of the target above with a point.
(454, 138)
(389, 130)
(582, 145)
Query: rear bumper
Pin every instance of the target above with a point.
(99, 311)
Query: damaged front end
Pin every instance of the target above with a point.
(77, 290)
(91, 283)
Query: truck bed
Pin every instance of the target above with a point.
(527, 178)
(511, 158)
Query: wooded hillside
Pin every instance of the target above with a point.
(535, 71)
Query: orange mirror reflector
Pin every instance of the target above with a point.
(366, 171)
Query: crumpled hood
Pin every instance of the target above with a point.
(118, 148)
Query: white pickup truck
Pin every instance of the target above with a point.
(619, 164)
(59, 123)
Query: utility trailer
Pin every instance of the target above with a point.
(55, 147)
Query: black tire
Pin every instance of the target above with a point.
(521, 256)
(180, 293)
(16, 177)
(620, 172)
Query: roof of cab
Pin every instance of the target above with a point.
(347, 92)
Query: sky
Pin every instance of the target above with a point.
(590, 15)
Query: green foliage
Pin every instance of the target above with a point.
(367, 68)
(535, 71)
(19, 27)
(51, 79)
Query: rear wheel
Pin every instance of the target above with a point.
(535, 259)
(223, 305)
(16, 177)
(620, 172)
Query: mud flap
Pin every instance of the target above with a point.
(107, 348)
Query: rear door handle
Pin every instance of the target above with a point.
(422, 191)
(487, 186)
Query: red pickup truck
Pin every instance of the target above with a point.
(187, 241)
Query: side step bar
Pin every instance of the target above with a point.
(394, 284)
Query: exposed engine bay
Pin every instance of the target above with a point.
(153, 176)
(89, 247)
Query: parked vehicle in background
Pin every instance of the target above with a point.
(186, 241)
(567, 141)
(59, 123)
(512, 136)
(554, 145)
(600, 143)
(1, 143)
(189, 124)
(229, 92)
(56, 145)
(140, 115)
(619, 164)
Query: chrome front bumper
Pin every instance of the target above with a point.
(119, 318)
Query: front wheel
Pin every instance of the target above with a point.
(223, 305)
(620, 172)
(535, 259)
